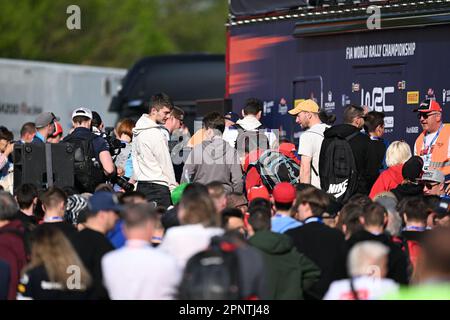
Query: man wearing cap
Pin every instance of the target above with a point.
(56, 136)
(44, 127)
(81, 121)
(307, 113)
(433, 183)
(433, 143)
(284, 195)
(91, 243)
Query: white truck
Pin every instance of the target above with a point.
(28, 88)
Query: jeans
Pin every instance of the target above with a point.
(155, 193)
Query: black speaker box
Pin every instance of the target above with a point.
(30, 165)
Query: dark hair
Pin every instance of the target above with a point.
(25, 194)
(5, 134)
(28, 127)
(135, 215)
(317, 199)
(352, 112)
(360, 199)
(327, 118)
(104, 187)
(160, 100)
(129, 196)
(80, 119)
(253, 106)
(96, 119)
(194, 188)
(260, 218)
(215, 121)
(230, 213)
(283, 206)
(374, 215)
(303, 186)
(415, 209)
(431, 202)
(372, 120)
(260, 202)
(178, 113)
(8, 206)
(349, 216)
(52, 197)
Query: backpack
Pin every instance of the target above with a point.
(274, 167)
(212, 274)
(337, 168)
(88, 172)
(249, 140)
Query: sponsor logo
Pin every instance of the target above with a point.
(268, 107)
(412, 97)
(282, 107)
(445, 96)
(330, 104)
(345, 100)
(412, 129)
(338, 189)
(376, 100)
(355, 87)
(401, 85)
(389, 122)
(430, 94)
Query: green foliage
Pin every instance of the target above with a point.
(113, 32)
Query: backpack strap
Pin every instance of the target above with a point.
(350, 137)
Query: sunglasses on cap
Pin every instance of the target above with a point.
(425, 115)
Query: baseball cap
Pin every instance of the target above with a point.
(58, 129)
(306, 105)
(412, 169)
(103, 200)
(44, 119)
(84, 112)
(284, 192)
(258, 192)
(432, 175)
(443, 208)
(428, 105)
(232, 116)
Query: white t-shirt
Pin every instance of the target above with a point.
(309, 145)
(367, 288)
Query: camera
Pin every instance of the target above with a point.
(123, 183)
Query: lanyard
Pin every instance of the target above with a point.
(414, 228)
(53, 219)
(428, 149)
(312, 219)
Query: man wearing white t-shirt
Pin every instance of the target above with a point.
(310, 141)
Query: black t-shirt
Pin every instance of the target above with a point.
(91, 247)
(98, 143)
(66, 228)
(35, 284)
(26, 219)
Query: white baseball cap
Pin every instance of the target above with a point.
(83, 112)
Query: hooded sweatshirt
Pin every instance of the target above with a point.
(290, 272)
(388, 180)
(214, 160)
(12, 251)
(360, 147)
(151, 158)
(248, 123)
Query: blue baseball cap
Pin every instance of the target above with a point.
(103, 200)
(232, 116)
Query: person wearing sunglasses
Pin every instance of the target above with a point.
(433, 183)
(433, 143)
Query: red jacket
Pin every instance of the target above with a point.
(389, 179)
(12, 251)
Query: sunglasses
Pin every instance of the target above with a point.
(425, 115)
(430, 185)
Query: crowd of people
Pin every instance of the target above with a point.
(231, 212)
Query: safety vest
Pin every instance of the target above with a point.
(439, 150)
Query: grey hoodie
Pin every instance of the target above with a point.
(150, 154)
(214, 160)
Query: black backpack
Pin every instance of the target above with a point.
(212, 274)
(338, 174)
(88, 171)
(274, 167)
(249, 140)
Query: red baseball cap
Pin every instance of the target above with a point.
(258, 192)
(428, 106)
(284, 192)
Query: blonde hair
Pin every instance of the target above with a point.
(398, 152)
(51, 249)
